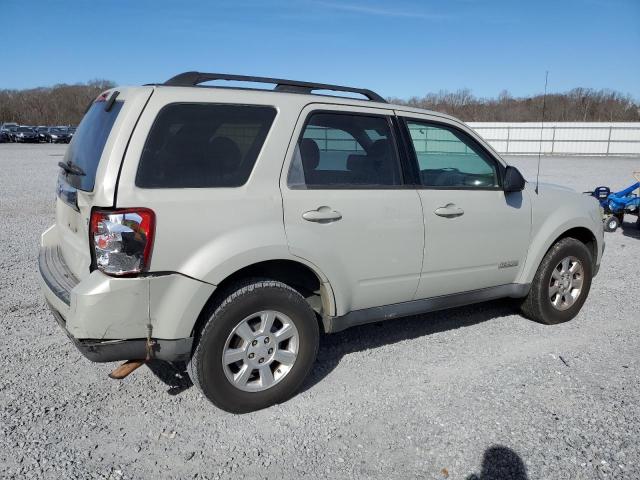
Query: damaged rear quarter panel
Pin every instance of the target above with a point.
(109, 308)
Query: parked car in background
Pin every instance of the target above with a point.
(41, 130)
(24, 134)
(8, 125)
(12, 132)
(56, 135)
(10, 129)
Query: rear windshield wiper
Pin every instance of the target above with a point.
(72, 168)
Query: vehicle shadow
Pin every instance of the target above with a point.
(630, 229)
(173, 375)
(335, 346)
(366, 337)
(501, 463)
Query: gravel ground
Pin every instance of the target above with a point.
(475, 392)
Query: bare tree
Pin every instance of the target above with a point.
(58, 105)
(65, 104)
(577, 105)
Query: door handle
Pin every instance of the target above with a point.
(450, 210)
(322, 215)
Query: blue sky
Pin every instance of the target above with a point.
(398, 48)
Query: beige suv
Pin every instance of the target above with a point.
(229, 227)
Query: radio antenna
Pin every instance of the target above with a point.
(544, 105)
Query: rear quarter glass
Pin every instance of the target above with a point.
(88, 143)
(203, 145)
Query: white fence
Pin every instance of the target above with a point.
(562, 138)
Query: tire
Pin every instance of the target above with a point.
(249, 304)
(611, 223)
(538, 305)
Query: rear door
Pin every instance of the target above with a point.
(93, 159)
(347, 208)
(476, 235)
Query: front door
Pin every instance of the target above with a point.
(476, 235)
(347, 209)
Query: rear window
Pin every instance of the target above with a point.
(203, 145)
(88, 143)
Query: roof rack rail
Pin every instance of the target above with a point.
(190, 79)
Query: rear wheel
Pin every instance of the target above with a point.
(256, 347)
(561, 284)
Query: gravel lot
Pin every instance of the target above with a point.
(473, 391)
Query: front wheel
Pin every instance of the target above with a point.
(256, 348)
(561, 284)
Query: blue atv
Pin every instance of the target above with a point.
(615, 205)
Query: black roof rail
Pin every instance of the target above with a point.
(190, 79)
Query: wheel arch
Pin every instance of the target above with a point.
(576, 230)
(300, 276)
(583, 234)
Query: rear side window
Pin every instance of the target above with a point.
(340, 150)
(203, 145)
(88, 143)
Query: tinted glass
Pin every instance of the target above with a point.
(88, 143)
(345, 150)
(449, 158)
(203, 145)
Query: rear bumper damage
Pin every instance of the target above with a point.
(110, 319)
(116, 350)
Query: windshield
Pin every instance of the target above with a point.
(88, 143)
(25, 129)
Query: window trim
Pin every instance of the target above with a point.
(401, 159)
(224, 104)
(404, 120)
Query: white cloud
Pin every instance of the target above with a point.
(385, 12)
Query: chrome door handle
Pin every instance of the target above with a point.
(450, 210)
(322, 215)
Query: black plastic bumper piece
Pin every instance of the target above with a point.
(56, 274)
(130, 349)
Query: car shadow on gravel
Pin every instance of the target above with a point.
(173, 375)
(630, 229)
(501, 463)
(335, 346)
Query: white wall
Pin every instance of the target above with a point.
(562, 138)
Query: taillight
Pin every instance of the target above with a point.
(122, 240)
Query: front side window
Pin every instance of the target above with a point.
(448, 158)
(338, 150)
(203, 145)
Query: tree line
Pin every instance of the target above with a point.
(65, 105)
(577, 105)
(58, 105)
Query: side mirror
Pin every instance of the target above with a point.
(513, 180)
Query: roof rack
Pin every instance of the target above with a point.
(190, 79)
